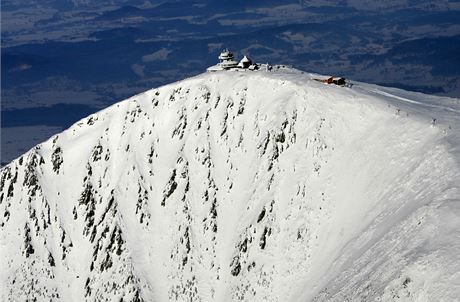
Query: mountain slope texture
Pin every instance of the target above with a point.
(240, 186)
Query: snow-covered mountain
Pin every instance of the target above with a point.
(253, 186)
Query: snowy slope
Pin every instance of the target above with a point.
(253, 186)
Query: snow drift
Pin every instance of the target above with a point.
(253, 186)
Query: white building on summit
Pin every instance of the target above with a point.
(226, 61)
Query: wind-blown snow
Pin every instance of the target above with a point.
(254, 186)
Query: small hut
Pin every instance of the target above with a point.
(245, 62)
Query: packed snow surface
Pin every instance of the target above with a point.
(230, 186)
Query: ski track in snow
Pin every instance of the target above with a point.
(240, 186)
(414, 102)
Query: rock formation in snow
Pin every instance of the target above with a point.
(240, 186)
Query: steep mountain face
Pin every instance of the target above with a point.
(253, 186)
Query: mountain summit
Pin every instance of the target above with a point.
(240, 186)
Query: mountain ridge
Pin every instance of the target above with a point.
(238, 186)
